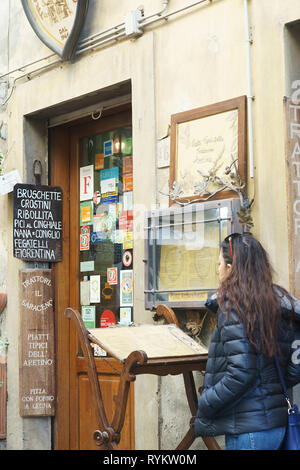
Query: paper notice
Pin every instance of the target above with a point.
(8, 181)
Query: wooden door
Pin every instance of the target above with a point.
(75, 421)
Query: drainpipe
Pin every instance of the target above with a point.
(250, 97)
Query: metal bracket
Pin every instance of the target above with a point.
(37, 171)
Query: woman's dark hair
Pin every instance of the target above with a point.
(249, 291)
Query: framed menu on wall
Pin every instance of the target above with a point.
(205, 141)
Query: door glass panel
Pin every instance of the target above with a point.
(106, 228)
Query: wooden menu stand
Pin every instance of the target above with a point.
(138, 362)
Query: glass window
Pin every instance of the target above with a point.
(183, 250)
(106, 228)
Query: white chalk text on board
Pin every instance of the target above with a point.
(37, 223)
(37, 365)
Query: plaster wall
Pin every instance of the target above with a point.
(3, 153)
(196, 58)
(3, 136)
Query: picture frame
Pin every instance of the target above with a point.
(207, 139)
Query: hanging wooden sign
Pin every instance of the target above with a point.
(37, 226)
(3, 391)
(36, 342)
(292, 108)
(58, 23)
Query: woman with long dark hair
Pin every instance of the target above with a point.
(256, 321)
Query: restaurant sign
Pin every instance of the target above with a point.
(292, 110)
(36, 343)
(58, 23)
(37, 225)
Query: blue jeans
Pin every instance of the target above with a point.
(261, 440)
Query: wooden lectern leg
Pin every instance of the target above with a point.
(126, 378)
(106, 436)
(189, 383)
(189, 438)
(187, 441)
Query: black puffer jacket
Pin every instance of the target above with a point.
(242, 392)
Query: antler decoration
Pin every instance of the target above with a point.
(230, 181)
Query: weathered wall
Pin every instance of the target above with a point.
(3, 157)
(196, 58)
(3, 132)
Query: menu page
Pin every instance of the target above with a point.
(157, 341)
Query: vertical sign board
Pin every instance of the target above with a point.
(293, 179)
(36, 343)
(37, 226)
(3, 375)
(3, 388)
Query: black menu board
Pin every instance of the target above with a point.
(37, 225)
